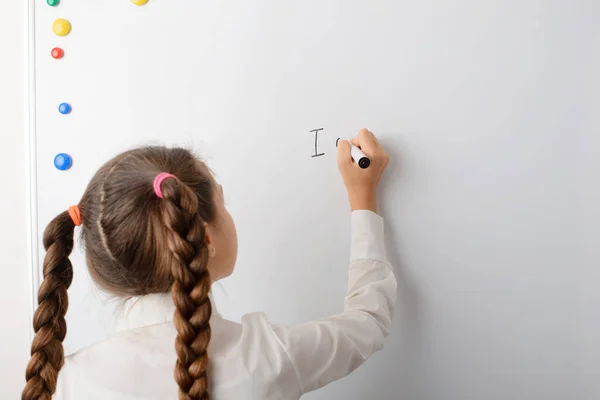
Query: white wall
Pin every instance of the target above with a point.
(14, 295)
(512, 322)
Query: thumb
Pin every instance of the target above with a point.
(343, 152)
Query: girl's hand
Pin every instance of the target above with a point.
(361, 184)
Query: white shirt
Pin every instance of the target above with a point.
(251, 360)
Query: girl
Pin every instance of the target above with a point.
(153, 222)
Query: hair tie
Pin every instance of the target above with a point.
(160, 178)
(75, 215)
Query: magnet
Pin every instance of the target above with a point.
(57, 53)
(61, 27)
(63, 161)
(64, 108)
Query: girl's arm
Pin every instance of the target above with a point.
(300, 358)
(323, 351)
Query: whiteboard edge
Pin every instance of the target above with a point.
(31, 149)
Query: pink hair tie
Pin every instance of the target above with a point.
(160, 178)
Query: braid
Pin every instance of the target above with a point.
(191, 285)
(47, 353)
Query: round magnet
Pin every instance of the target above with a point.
(57, 53)
(61, 27)
(63, 161)
(64, 108)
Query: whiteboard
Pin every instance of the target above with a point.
(488, 108)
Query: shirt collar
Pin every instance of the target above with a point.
(151, 309)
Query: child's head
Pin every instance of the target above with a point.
(137, 243)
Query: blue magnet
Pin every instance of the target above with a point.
(63, 161)
(64, 108)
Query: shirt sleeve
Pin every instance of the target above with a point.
(326, 350)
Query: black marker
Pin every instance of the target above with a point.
(357, 155)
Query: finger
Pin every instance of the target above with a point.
(343, 153)
(355, 142)
(375, 138)
(367, 141)
(376, 141)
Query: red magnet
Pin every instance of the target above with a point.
(57, 53)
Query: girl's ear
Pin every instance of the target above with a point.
(212, 251)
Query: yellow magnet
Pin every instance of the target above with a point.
(139, 2)
(61, 27)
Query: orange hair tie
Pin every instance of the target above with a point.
(75, 215)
